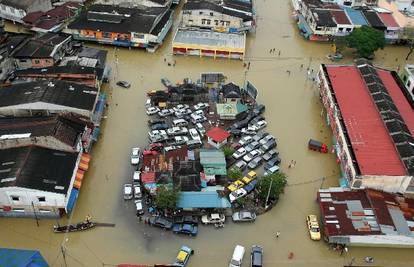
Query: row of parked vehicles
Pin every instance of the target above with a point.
(256, 256)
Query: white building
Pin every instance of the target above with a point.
(15, 10)
(36, 181)
(407, 77)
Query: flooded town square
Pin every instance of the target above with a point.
(294, 114)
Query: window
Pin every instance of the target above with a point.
(211, 14)
(203, 21)
(190, 21)
(408, 84)
(15, 198)
(36, 61)
(106, 34)
(208, 21)
(41, 199)
(216, 22)
(348, 29)
(405, 77)
(340, 29)
(200, 13)
(227, 23)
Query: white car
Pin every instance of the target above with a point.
(180, 140)
(194, 134)
(245, 140)
(137, 191)
(157, 135)
(213, 218)
(171, 148)
(260, 125)
(136, 178)
(139, 208)
(177, 131)
(201, 106)
(252, 155)
(241, 165)
(135, 155)
(165, 112)
(251, 130)
(128, 191)
(197, 118)
(152, 110)
(200, 129)
(199, 112)
(239, 153)
(180, 107)
(237, 194)
(266, 139)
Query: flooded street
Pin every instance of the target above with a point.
(293, 112)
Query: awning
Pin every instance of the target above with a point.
(84, 165)
(77, 184)
(79, 175)
(86, 157)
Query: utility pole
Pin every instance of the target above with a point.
(62, 249)
(268, 193)
(323, 180)
(34, 211)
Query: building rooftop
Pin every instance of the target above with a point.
(388, 20)
(60, 93)
(356, 16)
(118, 19)
(365, 212)
(340, 17)
(41, 47)
(218, 134)
(214, 6)
(37, 168)
(374, 148)
(62, 128)
(203, 199)
(374, 20)
(213, 161)
(223, 41)
(20, 4)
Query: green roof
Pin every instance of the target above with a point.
(213, 161)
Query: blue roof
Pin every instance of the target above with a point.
(202, 199)
(356, 16)
(21, 258)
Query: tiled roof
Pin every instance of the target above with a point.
(218, 134)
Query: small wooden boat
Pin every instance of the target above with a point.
(86, 225)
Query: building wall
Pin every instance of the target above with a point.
(44, 141)
(405, 5)
(210, 19)
(344, 29)
(25, 63)
(408, 79)
(15, 14)
(392, 184)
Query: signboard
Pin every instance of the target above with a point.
(251, 90)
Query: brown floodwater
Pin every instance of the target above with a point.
(294, 115)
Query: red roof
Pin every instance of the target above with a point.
(388, 20)
(373, 147)
(217, 134)
(148, 177)
(340, 17)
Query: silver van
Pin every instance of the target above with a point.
(237, 258)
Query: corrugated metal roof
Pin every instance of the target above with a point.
(356, 16)
(388, 20)
(340, 17)
(371, 143)
(203, 199)
(21, 258)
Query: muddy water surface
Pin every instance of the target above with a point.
(294, 115)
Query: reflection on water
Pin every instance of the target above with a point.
(294, 114)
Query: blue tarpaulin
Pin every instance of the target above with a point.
(21, 258)
(72, 199)
(202, 200)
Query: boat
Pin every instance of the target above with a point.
(86, 225)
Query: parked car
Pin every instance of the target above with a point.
(185, 229)
(180, 123)
(252, 154)
(123, 84)
(249, 131)
(177, 130)
(256, 162)
(152, 122)
(266, 139)
(256, 256)
(253, 145)
(237, 257)
(193, 144)
(180, 140)
(186, 219)
(250, 186)
(235, 132)
(200, 128)
(135, 155)
(313, 227)
(171, 148)
(239, 153)
(159, 126)
(165, 112)
(271, 170)
(245, 140)
(160, 222)
(183, 256)
(166, 82)
(197, 118)
(148, 103)
(259, 109)
(156, 136)
(152, 110)
(244, 216)
(270, 154)
(260, 135)
(155, 147)
(128, 191)
(274, 161)
(239, 193)
(241, 165)
(201, 106)
(256, 119)
(260, 125)
(138, 207)
(137, 191)
(269, 145)
(194, 134)
(235, 185)
(136, 178)
(213, 218)
(199, 112)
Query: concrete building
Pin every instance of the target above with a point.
(366, 218)
(373, 125)
(15, 10)
(42, 51)
(213, 15)
(48, 97)
(208, 43)
(121, 26)
(217, 137)
(36, 181)
(407, 76)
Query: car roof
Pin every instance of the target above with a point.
(215, 216)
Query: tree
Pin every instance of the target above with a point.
(279, 182)
(407, 35)
(234, 174)
(166, 197)
(366, 41)
(228, 151)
